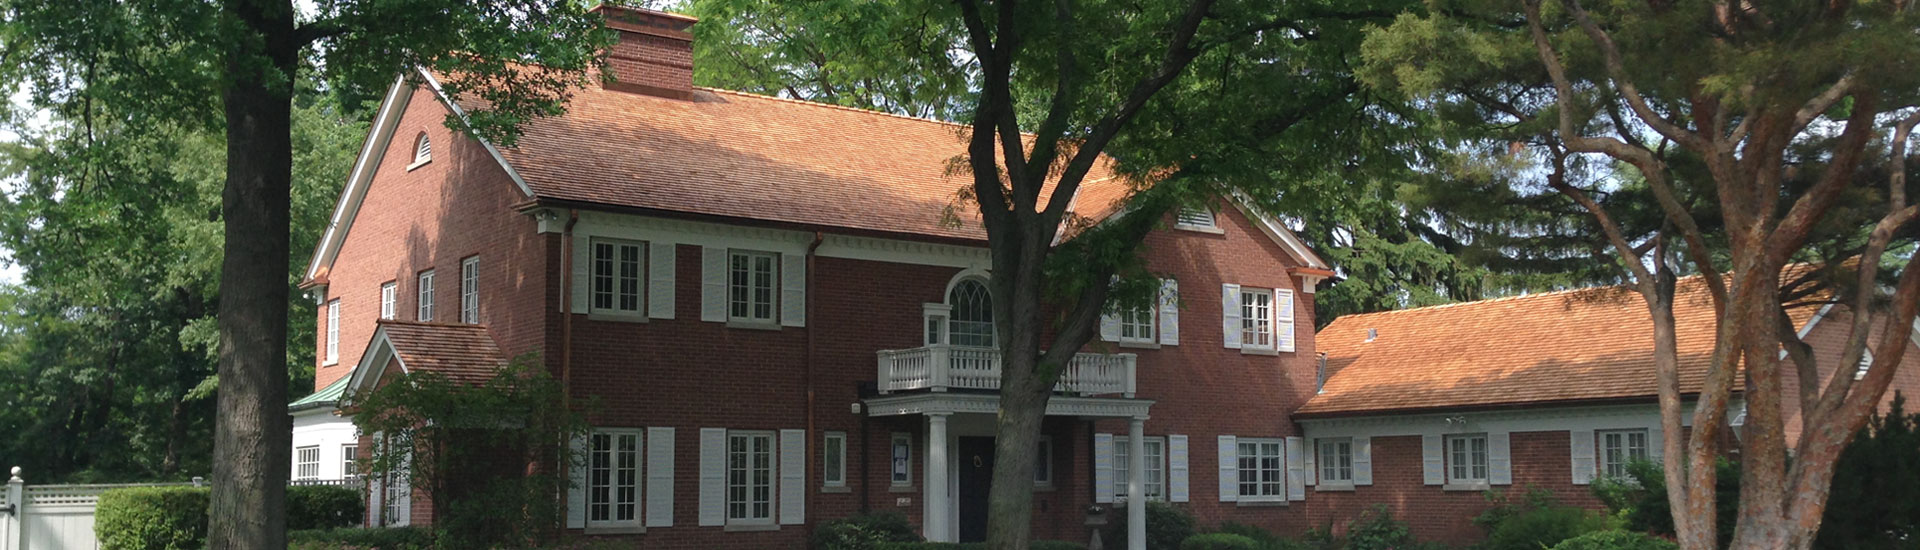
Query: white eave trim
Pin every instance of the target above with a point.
(1280, 234)
(372, 366)
(434, 83)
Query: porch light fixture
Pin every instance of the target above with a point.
(856, 407)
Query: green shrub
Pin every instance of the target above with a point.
(1262, 538)
(378, 538)
(152, 518)
(1616, 539)
(1036, 545)
(1376, 529)
(1537, 521)
(323, 507)
(1641, 498)
(863, 532)
(1219, 541)
(1167, 526)
(1873, 503)
(1056, 545)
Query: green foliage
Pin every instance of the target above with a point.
(467, 448)
(1536, 521)
(1218, 541)
(1264, 539)
(1167, 526)
(862, 532)
(1641, 499)
(152, 518)
(378, 538)
(1376, 529)
(1616, 539)
(1036, 545)
(324, 507)
(1874, 504)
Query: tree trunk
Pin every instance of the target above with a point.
(252, 432)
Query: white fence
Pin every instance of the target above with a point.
(51, 517)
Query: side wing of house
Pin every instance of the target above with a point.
(1827, 334)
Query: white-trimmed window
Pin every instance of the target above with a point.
(833, 460)
(425, 310)
(970, 321)
(470, 290)
(422, 151)
(1866, 362)
(752, 282)
(1136, 325)
(1619, 448)
(1336, 460)
(1195, 218)
(1043, 465)
(1256, 318)
(618, 271)
(333, 331)
(750, 476)
(1155, 482)
(349, 457)
(613, 478)
(1467, 459)
(306, 462)
(902, 459)
(388, 292)
(1262, 469)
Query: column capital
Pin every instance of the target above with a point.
(941, 414)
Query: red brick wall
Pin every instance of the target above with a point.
(1828, 337)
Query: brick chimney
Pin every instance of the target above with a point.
(655, 53)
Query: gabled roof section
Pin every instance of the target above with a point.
(1585, 345)
(461, 353)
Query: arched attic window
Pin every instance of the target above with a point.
(422, 150)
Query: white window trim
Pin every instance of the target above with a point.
(773, 289)
(905, 463)
(389, 297)
(349, 457)
(833, 478)
(1152, 324)
(1245, 304)
(1321, 462)
(773, 481)
(1600, 461)
(470, 290)
(639, 458)
(1453, 482)
(306, 462)
(422, 151)
(1212, 225)
(639, 311)
(1278, 443)
(423, 309)
(1122, 445)
(333, 331)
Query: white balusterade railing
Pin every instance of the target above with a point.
(941, 367)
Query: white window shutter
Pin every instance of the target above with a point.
(793, 477)
(1103, 468)
(1433, 462)
(713, 476)
(1309, 453)
(1230, 315)
(1582, 454)
(1362, 461)
(1169, 312)
(793, 290)
(1499, 458)
(1283, 319)
(660, 275)
(577, 489)
(375, 491)
(659, 477)
(1229, 468)
(1296, 470)
(1110, 327)
(713, 284)
(582, 268)
(1178, 489)
(1655, 440)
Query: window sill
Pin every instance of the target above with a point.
(1333, 488)
(1475, 486)
(633, 530)
(903, 489)
(419, 163)
(753, 325)
(836, 489)
(1261, 503)
(1044, 488)
(751, 527)
(333, 363)
(1139, 345)
(1215, 230)
(617, 317)
(1258, 351)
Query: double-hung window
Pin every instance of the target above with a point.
(1155, 482)
(387, 292)
(306, 461)
(1620, 447)
(349, 455)
(752, 282)
(1256, 318)
(833, 460)
(617, 274)
(333, 331)
(470, 290)
(1136, 325)
(1467, 459)
(425, 310)
(613, 478)
(749, 478)
(1336, 461)
(1263, 469)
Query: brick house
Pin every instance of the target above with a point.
(783, 323)
(1428, 408)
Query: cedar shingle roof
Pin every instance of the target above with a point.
(1592, 344)
(462, 353)
(747, 156)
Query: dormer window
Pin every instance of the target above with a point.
(422, 151)
(1196, 219)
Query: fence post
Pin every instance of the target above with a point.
(16, 528)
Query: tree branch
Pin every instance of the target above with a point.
(1617, 71)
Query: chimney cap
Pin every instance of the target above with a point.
(613, 10)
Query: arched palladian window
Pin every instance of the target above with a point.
(422, 149)
(972, 321)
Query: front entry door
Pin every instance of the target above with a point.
(976, 478)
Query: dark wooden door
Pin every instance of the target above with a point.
(976, 478)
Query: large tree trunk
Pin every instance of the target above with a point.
(252, 433)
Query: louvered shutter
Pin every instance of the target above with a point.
(1581, 443)
(793, 477)
(1362, 461)
(376, 491)
(1283, 320)
(1309, 455)
(1433, 463)
(1229, 468)
(1230, 315)
(1499, 459)
(577, 490)
(1103, 468)
(1178, 489)
(1169, 312)
(1655, 443)
(793, 290)
(713, 284)
(659, 477)
(582, 270)
(660, 259)
(1296, 470)
(1110, 327)
(713, 476)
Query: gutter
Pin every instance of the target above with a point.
(812, 276)
(566, 305)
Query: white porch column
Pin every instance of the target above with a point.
(936, 507)
(10, 524)
(1136, 489)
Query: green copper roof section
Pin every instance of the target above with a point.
(327, 396)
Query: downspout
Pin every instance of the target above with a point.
(811, 277)
(566, 305)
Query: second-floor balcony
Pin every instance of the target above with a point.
(942, 367)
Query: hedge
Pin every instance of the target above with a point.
(324, 507)
(1218, 541)
(379, 538)
(1036, 545)
(152, 518)
(1616, 539)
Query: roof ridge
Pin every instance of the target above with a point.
(839, 107)
(1501, 299)
(428, 323)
